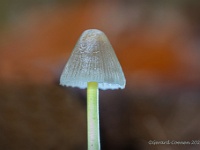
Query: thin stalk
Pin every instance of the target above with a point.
(93, 116)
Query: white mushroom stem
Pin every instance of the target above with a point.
(93, 116)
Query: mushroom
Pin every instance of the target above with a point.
(93, 65)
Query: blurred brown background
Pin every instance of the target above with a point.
(158, 45)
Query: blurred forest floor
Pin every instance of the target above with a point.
(157, 45)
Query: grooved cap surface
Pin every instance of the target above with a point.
(93, 60)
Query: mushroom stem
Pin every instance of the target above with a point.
(93, 116)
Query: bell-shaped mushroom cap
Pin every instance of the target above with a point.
(93, 60)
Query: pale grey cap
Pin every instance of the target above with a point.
(93, 60)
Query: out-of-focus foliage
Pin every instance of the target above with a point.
(157, 43)
(9, 10)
